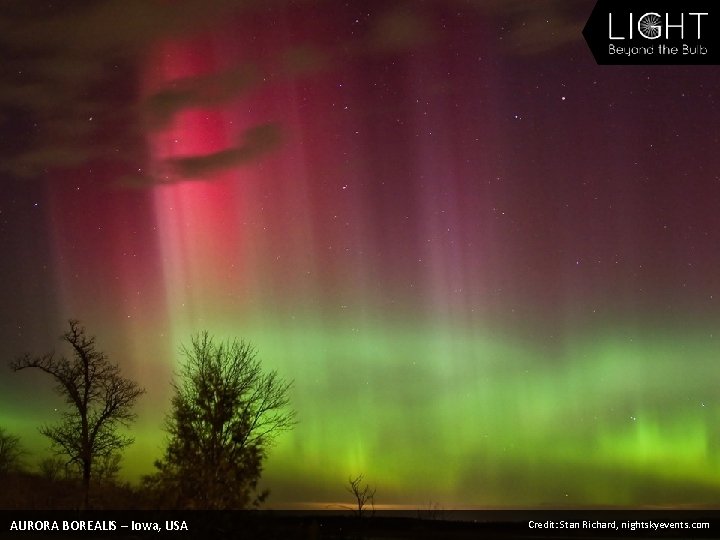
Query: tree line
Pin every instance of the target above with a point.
(225, 413)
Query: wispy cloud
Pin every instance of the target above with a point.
(68, 80)
(257, 141)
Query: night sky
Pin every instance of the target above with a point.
(491, 267)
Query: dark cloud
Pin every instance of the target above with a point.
(202, 91)
(258, 140)
(72, 69)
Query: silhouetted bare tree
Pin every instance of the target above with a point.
(54, 468)
(225, 414)
(100, 401)
(10, 452)
(364, 495)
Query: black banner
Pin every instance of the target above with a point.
(388, 525)
(658, 32)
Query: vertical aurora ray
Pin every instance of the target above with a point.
(473, 264)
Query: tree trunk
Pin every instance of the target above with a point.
(86, 485)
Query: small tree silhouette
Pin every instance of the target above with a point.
(11, 452)
(363, 494)
(54, 468)
(100, 401)
(434, 510)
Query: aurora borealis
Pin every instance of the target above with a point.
(490, 266)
